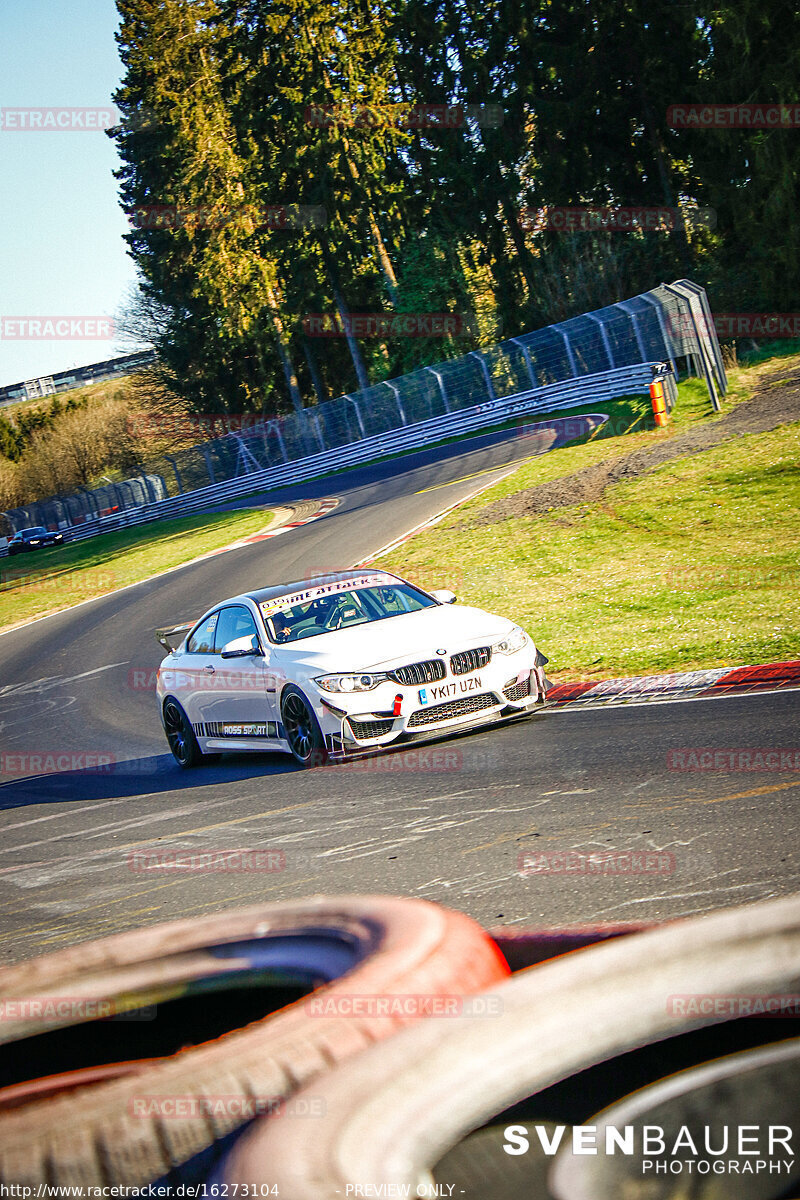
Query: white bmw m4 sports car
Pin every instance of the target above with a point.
(338, 665)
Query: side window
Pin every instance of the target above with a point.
(202, 639)
(234, 622)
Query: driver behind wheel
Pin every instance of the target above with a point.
(282, 627)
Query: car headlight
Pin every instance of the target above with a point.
(512, 642)
(363, 682)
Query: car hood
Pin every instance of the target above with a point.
(398, 640)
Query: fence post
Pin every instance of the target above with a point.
(604, 336)
(279, 436)
(314, 418)
(393, 388)
(170, 459)
(358, 414)
(573, 366)
(625, 306)
(529, 364)
(442, 391)
(209, 464)
(666, 340)
(487, 377)
(707, 366)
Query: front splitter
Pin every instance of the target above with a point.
(439, 735)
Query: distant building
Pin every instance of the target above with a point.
(39, 387)
(48, 385)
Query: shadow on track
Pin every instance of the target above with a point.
(150, 776)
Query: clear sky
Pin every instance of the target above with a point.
(61, 247)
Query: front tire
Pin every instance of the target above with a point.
(180, 736)
(302, 729)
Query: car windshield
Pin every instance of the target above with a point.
(290, 622)
(36, 531)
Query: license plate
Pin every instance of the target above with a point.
(450, 691)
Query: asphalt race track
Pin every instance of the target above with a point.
(448, 822)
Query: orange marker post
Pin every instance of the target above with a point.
(658, 400)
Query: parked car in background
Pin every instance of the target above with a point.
(33, 539)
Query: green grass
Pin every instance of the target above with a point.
(694, 565)
(48, 580)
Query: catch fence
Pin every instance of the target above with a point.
(580, 361)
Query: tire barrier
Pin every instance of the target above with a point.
(392, 1113)
(371, 952)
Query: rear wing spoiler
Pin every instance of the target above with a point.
(174, 634)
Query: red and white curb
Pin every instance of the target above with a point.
(322, 509)
(646, 689)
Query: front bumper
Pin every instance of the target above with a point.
(363, 721)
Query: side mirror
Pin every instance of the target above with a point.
(444, 596)
(242, 647)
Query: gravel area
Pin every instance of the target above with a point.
(776, 402)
